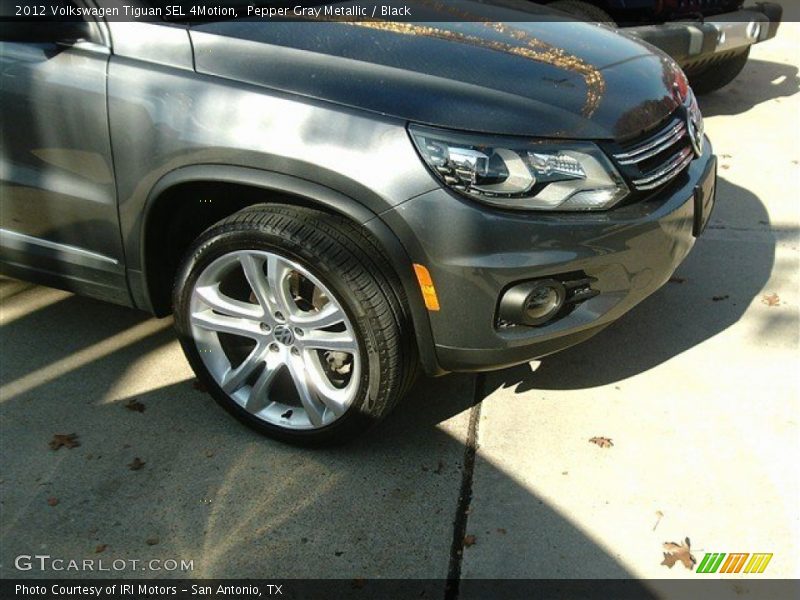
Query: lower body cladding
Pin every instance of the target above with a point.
(514, 286)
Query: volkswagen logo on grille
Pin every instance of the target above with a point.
(695, 124)
(695, 134)
(284, 335)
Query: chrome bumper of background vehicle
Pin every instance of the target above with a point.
(690, 41)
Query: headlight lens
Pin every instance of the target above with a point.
(521, 174)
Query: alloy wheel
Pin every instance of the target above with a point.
(275, 339)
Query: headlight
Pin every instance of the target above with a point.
(520, 173)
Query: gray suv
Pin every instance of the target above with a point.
(326, 207)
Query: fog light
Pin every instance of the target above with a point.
(532, 302)
(542, 302)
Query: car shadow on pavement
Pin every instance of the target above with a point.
(704, 298)
(759, 82)
(209, 490)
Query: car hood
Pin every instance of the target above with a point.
(550, 78)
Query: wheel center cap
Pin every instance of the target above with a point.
(284, 335)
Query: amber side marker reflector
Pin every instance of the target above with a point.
(426, 286)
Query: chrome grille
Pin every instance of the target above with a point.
(675, 165)
(658, 158)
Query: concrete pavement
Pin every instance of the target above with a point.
(211, 491)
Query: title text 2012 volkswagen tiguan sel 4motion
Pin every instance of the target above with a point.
(327, 206)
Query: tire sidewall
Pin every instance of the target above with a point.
(716, 76)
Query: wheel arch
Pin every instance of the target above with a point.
(213, 192)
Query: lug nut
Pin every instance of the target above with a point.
(274, 347)
(298, 332)
(295, 351)
(265, 328)
(279, 316)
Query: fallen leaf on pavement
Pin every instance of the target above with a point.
(720, 298)
(100, 548)
(501, 530)
(603, 442)
(469, 540)
(659, 514)
(151, 541)
(678, 553)
(136, 464)
(676, 279)
(52, 501)
(134, 405)
(771, 299)
(68, 440)
(358, 583)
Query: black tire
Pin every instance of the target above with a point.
(718, 74)
(353, 267)
(583, 10)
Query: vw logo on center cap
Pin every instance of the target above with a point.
(284, 335)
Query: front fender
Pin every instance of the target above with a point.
(307, 193)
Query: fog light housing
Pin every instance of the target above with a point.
(532, 302)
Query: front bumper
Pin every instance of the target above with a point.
(474, 253)
(692, 43)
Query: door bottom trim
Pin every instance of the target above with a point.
(19, 241)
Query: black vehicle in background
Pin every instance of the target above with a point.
(710, 39)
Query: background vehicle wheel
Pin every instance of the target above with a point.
(295, 322)
(583, 10)
(718, 74)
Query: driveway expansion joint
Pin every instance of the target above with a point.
(465, 494)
